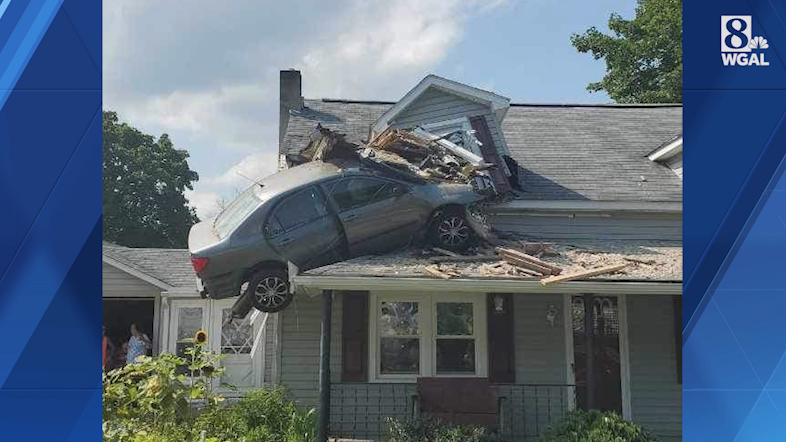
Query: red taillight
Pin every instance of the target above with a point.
(199, 263)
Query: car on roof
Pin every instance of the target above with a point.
(317, 214)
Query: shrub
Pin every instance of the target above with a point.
(432, 431)
(596, 426)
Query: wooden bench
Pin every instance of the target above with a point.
(458, 401)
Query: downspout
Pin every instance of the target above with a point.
(324, 367)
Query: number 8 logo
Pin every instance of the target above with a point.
(736, 32)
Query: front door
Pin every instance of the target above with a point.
(233, 339)
(597, 352)
(377, 215)
(302, 230)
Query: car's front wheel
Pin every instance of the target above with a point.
(450, 230)
(269, 290)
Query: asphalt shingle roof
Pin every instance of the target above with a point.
(564, 152)
(172, 266)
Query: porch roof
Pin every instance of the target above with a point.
(171, 266)
(648, 262)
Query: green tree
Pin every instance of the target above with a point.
(144, 184)
(643, 56)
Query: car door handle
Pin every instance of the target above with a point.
(285, 241)
(350, 217)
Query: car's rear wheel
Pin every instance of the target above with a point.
(269, 290)
(450, 230)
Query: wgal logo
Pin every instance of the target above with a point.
(737, 43)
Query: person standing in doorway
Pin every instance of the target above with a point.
(138, 344)
(107, 348)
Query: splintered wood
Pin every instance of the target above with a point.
(528, 262)
(443, 272)
(583, 274)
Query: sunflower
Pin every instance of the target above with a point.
(200, 337)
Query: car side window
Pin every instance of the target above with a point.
(356, 192)
(297, 210)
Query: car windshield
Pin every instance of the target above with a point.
(236, 212)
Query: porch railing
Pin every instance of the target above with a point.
(526, 411)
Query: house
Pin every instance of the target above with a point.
(156, 289)
(376, 337)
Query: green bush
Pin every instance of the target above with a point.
(433, 431)
(596, 426)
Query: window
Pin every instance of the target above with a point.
(427, 335)
(236, 335)
(356, 192)
(297, 210)
(236, 212)
(189, 321)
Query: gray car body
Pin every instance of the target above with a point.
(377, 227)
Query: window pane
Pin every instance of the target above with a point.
(455, 355)
(399, 355)
(300, 209)
(236, 334)
(357, 192)
(454, 319)
(189, 321)
(399, 319)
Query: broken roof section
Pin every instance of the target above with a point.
(646, 261)
(564, 152)
(415, 154)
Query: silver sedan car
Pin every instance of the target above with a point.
(317, 214)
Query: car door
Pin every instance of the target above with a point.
(302, 229)
(377, 215)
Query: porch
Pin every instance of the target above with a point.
(360, 410)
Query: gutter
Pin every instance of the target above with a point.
(313, 285)
(516, 206)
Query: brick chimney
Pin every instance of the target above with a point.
(290, 98)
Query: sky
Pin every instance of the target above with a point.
(206, 73)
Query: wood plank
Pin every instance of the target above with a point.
(447, 252)
(545, 271)
(434, 271)
(583, 274)
(521, 255)
(477, 258)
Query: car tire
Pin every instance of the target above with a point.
(269, 290)
(451, 231)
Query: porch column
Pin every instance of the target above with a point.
(324, 367)
(589, 335)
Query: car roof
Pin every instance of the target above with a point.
(295, 177)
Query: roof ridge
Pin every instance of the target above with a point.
(588, 105)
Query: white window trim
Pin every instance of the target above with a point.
(428, 334)
(622, 308)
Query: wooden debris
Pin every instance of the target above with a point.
(583, 274)
(447, 252)
(648, 262)
(529, 262)
(477, 258)
(434, 271)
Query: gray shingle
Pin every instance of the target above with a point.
(565, 152)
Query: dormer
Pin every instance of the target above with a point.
(443, 106)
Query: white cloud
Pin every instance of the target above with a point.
(252, 167)
(205, 203)
(210, 76)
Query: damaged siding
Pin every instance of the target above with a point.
(601, 226)
(435, 106)
(656, 395)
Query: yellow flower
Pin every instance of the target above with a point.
(200, 337)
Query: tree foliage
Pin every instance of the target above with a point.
(643, 56)
(144, 184)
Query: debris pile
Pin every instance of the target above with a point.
(514, 263)
(416, 154)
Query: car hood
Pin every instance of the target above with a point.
(202, 236)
